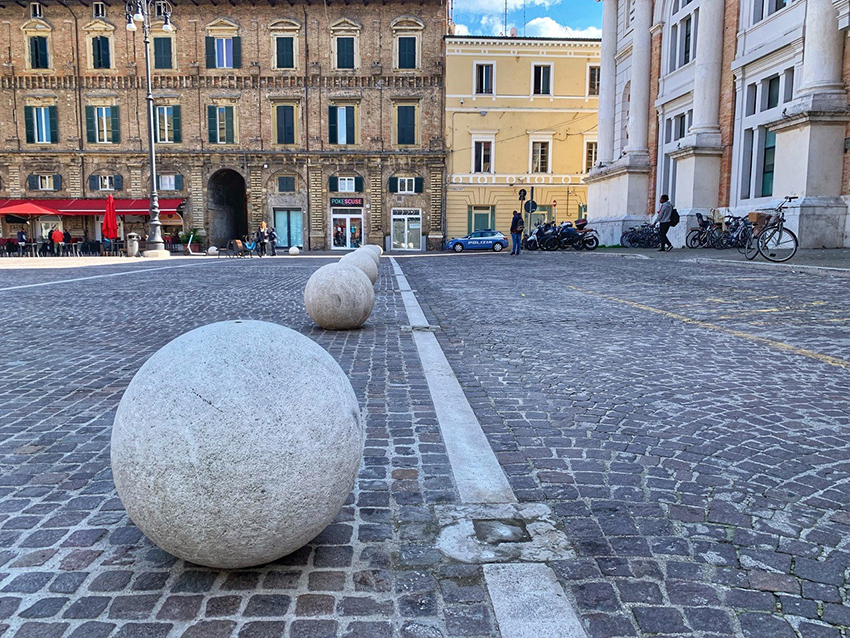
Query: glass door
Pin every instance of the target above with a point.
(346, 228)
(407, 229)
(288, 226)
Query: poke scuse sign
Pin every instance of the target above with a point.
(346, 201)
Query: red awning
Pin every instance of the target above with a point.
(42, 207)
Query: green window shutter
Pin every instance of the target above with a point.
(468, 219)
(57, 182)
(406, 124)
(285, 124)
(34, 60)
(94, 183)
(176, 124)
(53, 117)
(118, 182)
(42, 53)
(349, 125)
(407, 52)
(29, 121)
(393, 184)
(286, 184)
(237, 53)
(178, 182)
(228, 125)
(418, 185)
(358, 184)
(210, 49)
(100, 52)
(90, 125)
(116, 125)
(104, 53)
(333, 184)
(345, 53)
(162, 53)
(212, 121)
(333, 133)
(32, 182)
(285, 57)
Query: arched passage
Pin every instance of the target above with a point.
(228, 207)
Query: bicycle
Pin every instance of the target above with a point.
(773, 241)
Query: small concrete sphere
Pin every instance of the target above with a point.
(293, 250)
(364, 262)
(372, 254)
(236, 464)
(212, 251)
(339, 297)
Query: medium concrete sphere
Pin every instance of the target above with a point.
(339, 297)
(364, 262)
(227, 463)
(376, 248)
(212, 251)
(372, 254)
(293, 250)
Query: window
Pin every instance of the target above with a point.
(341, 125)
(106, 183)
(764, 8)
(162, 53)
(589, 156)
(39, 58)
(750, 108)
(594, 75)
(406, 185)
(285, 52)
(221, 124)
(682, 34)
(768, 162)
(41, 125)
(170, 182)
(100, 58)
(44, 182)
(168, 124)
(481, 218)
(789, 85)
(98, 10)
(224, 52)
(407, 52)
(686, 43)
(160, 9)
(540, 157)
(406, 116)
(346, 185)
(36, 10)
(345, 52)
(102, 124)
(772, 93)
(286, 184)
(483, 157)
(542, 79)
(484, 79)
(285, 123)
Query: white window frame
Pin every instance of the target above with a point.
(45, 183)
(587, 143)
(587, 92)
(166, 181)
(674, 37)
(103, 124)
(492, 65)
(98, 10)
(551, 92)
(159, 9)
(538, 138)
(344, 28)
(345, 184)
(477, 138)
(36, 10)
(221, 55)
(169, 133)
(41, 124)
(409, 187)
(221, 123)
(106, 182)
(293, 35)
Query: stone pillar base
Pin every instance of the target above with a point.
(819, 222)
(157, 254)
(617, 198)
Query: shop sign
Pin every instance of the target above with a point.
(346, 201)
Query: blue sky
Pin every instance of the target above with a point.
(543, 18)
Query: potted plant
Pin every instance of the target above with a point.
(193, 235)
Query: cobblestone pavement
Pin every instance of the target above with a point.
(698, 460)
(690, 424)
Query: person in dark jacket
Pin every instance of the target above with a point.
(665, 214)
(262, 239)
(273, 241)
(517, 226)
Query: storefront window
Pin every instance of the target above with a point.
(347, 228)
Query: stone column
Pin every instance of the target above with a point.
(822, 50)
(607, 83)
(708, 69)
(639, 83)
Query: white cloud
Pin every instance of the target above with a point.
(498, 6)
(494, 25)
(549, 28)
(461, 29)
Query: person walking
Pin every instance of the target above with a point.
(517, 226)
(22, 241)
(262, 238)
(665, 214)
(273, 241)
(58, 238)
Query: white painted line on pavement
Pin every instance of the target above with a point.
(763, 264)
(114, 274)
(477, 473)
(530, 603)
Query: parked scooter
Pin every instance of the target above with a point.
(532, 241)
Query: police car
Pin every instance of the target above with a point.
(479, 240)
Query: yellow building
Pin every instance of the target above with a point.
(520, 114)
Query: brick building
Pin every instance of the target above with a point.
(724, 104)
(326, 120)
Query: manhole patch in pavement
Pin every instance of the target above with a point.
(499, 533)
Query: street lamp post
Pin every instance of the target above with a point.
(140, 11)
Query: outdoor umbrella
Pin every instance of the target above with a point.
(109, 228)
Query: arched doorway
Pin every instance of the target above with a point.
(228, 207)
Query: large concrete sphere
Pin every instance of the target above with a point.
(372, 254)
(293, 250)
(364, 262)
(339, 296)
(376, 248)
(227, 463)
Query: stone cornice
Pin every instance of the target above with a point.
(518, 42)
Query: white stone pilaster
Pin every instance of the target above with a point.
(639, 82)
(707, 73)
(822, 50)
(607, 83)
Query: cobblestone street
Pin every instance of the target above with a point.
(685, 425)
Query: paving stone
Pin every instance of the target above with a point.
(267, 605)
(263, 629)
(41, 630)
(137, 607)
(144, 630)
(313, 629)
(87, 607)
(223, 605)
(765, 626)
(210, 629)
(93, 630)
(44, 608)
(660, 620)
(180, 608)
(314, 605)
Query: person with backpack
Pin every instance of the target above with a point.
(665, 221)
(273, 241)
(517, 226)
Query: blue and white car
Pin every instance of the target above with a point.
(479, 240)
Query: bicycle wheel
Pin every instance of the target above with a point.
(625, 239)
(777, 244)
(744, 240)
(693, 238)
(751, 250)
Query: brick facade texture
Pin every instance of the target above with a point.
(652, 129)
(254, 88)
(727, 99)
